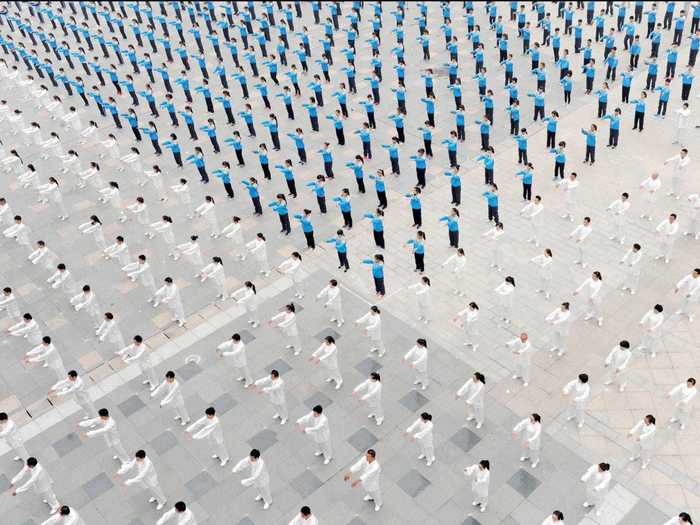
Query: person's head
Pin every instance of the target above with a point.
(180, 506)
(140, 455)
(597, 276)
(170, 376)
(690, 382)
(210, 412)
(479, 377)
(305, 512)
(557, 515)
(583, 378)
(375, 377)
(371, 455)
(523, 337)
(603, 467)
(274, 374)
(317, 410)
(535, 418)
(649, 419)
(254, 455)
(484, 464)
(329, 340)
(103, 413)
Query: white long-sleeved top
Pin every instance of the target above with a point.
(531, 210)
(205, 427)
(472, 392)
(418, 357)
(259, 476)
(291, 267)
(480, 479)
(316, 426)
(549, 520)
(645, 433)
(631, 259)
(651, 185)
(109, 330)
(310, 520)
(581, 232)
(569, 187)
(133, 352)
(234, 231)
(173, 393)
(106, 427)
(619, 358)
(679, 163)
(169, 294)
(9, 431)
(591, 287)
(684, 394)
(580, 391)
(543, 261)
(422, 431)
(273, 388)
(327, 353)
(370, 391)
(422, 292)
(667, 228)
(45, 353)
(287, 322)
(145, 473)
(559, 318)
(181, 518)
(518, 347)
(27, 329)
(504, 289)
(234, 350)
(689, 285)
(369, 473)
(374, 324)
(331, 295)
(532, 432)
(73, 518)
(38, 479)
(619, 207)
(258, 248)
(595, 479)
(652, 320)
(456, 262)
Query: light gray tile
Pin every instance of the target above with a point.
(67, 444)
(246, 336)
(224, 403)
(319, 398)
(306, 483)
(263, 440)
(465, 439)
(131, 405)
(187, 372)
(199, 485)
(414, 400)
(328, 332)
(97, 486)
(413, 483)
(367, 366)
(362, 440)
(163, 442)
(280, 365)
(524, 482)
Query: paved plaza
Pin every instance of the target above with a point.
(83, 470)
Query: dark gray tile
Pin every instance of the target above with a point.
(414, 400)
(263, 440)
(67, 444)
(246, 336)
(187, 372)
(523, 482)
(163, 442)
(4, 482)
(306, 484)
(356, 521)
(362, 440)
(131, 405)
(97, 486)
(471, 521)
(465, 439)
(319, 398)
(280, 365)
(246, 521)
(326, 332)
(368, 365)
(224, 403)
(413, 483)
(200, 484)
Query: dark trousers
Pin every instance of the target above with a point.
(456, 195)
(417, 217)
(203, 174)
(551, 139)
(347, 219)
(379, 285)
(559, 170)
(310, 242)
(493, 214)
(638, 120)
(651, 82)
(343, 260)
(292, 187)
(229, 189)
(419, 258)
(614, 135)
(488, 176)
(420, 175)
(590, 154)
(379, 239)
(381, 196)
(321, 204)
(625, 94)
(286, 226)
(522, 156)
(527, 192)
(360, 184)
(454, 238)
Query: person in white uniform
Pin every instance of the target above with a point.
(560, 320)
(467, 319)
(180, 513)
(570, 188)
(304, 517)
(247, 296)
(422, 291)
(473, 393)
(544, 270)
(373, 330)
(145, 478)
(259, 477)
(209, 426)
(234, 348)
(138, 352)
(617, 362)
(119, 250)
(173, 396)
(9, 431)
(258, 249)
(458, 264)
(630, 262)
(682, 122)
(505, 292)
(597, 479)
(327, 354)
(693, 217)
(652, 327)
(643, 436)
(107, 427)
(684, 395)
(529, 430)
(417, 358)
(532, 212)
(286, 322)
(141, 270)
(234, 231)
(65, 516)
(8, 303)
(292, 268)
(87, 300)
(496, 239)
(73, 384)
(28, 329)
(47, 354)
(315, 424)
(578, 391)
(522, 355)
(682, 519)
(579, 235)
(421, 430)
(109, 330)
(680, 164)
(63, 279)
(367, 472)
(480, 475)
(650, 188)
(42, 254)
(273, 387)
(689, 285)
(591, 288)
(619, 209)
(667, 231)
(555, 518)
(169, 294)
(332, 301)
(38, 480)
(370, 392)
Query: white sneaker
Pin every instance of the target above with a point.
(160, 506)
(367, 498)
(151, 500)
(326, 461)
(266, 506)
(258, 497)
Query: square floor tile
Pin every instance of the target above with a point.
(263, 440)
(187, 372)
(246, 336)
(163, 442)
(368, 365)
(362, 440)
(319, 398)
(246, 521)
(136, 521)
(471, 521)
(131, 405)
(4, 483)
(327, 332)
(356, 521)
(465, 439)
(200, 484)
(413, 483)
(523, 482)
(224, 403)
(97, 486)
(306, 484)
(67, 444)
(280, 365)
(414, 400)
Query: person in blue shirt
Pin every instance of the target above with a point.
(357, 168)
(559, 159)
(488, 159)
(152, 132)
(343, 202)
(174, 146)
(338, 126)
(627, 77)
(418, 246)
(380, 188)
(319, 188)
(602, 99)
(416, 208)
(312, 108)
(590, 143)
(247, 115)
(307, 228)
(589, 70)
(451, 144)
(484, 131)
(224, 173)
(366, 140)
(526, 176)
(671, 61)
(298, 138)
(377, 227)
(286, 97)
(421, 166)
(369, 108)
(455, 185)
(236, 143)
(327, 156)
(694, 39)
(272, 125)
(652, 71)
(210, 130)
(539, 104)
(252, 186)
(521, 139)
(614, 127)
(341, 249)
(491, 197)
(664, 94)
(280, 206)
(288, 174)
(377, 264)
(452, 221)
(197, 158)
(264, 159)
(686, 83)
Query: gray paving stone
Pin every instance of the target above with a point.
(97, 485)
(263, 440)
(413, 483)
(136, 521)
(246, 336)
(524, 482)
(362, 440)
(471, 521)
(4, 482)
(319, 398)
(328, 332)
(163, 442)
(224, 403)
(246, 521)
(306, 483)
(131, 405)
(367, 366)
(465, 439)
(280, 365)
(67, 444)
(187, 371)
(200, 484)
(356, 521)
(414, 400)
(643, 512)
